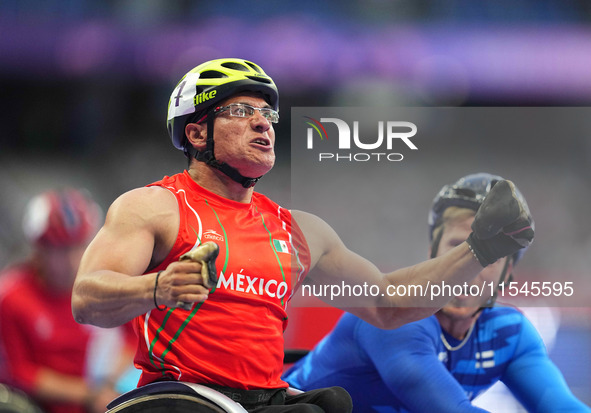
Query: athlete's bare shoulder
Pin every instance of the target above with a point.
(320, 236)
(152, 211)
(306, 220)
(146, 203)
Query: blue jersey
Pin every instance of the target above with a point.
(410, 369)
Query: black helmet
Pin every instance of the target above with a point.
(468, 192)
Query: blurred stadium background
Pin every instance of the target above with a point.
(85, 85)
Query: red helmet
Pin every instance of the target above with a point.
(61, 218)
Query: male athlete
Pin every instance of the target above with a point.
(441, 363)
(230, 335)
(43, 351)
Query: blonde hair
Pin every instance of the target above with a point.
(451, 215)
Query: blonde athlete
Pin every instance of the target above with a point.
(443, 362)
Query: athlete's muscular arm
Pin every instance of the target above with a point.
(501, 227)
(411, 368)
(333, 263)
(140, 229)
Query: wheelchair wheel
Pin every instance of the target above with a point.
(167, 403)
(14, 401)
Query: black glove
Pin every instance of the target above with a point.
(502, 225)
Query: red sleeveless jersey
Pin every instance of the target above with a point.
(234, 338)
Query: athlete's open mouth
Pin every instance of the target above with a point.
(261, 141)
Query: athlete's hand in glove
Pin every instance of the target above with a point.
(205, 254)
(502, 225)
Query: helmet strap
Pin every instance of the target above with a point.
(435, 244)
(208, 157)
(492, 299)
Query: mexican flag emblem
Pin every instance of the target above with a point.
(282, 246)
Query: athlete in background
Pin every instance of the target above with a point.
(43, 351)
(441, 363)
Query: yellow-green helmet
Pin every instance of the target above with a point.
(210, 83)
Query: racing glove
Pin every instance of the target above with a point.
(206, 254)
(502, 225)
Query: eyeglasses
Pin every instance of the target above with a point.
(242, 110)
